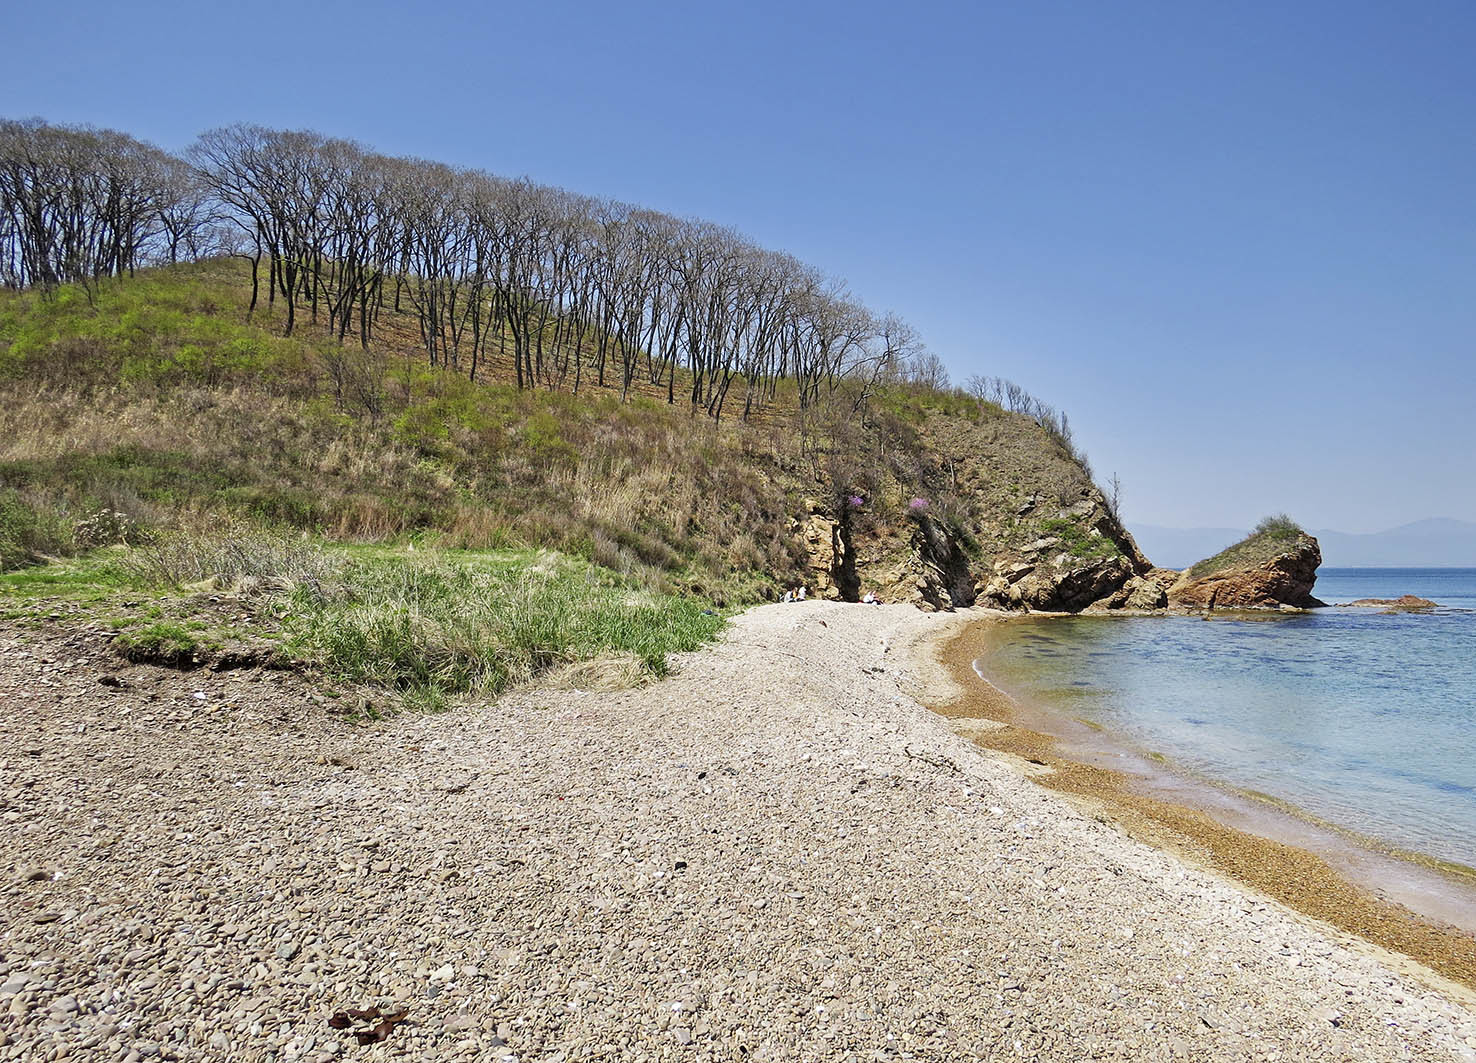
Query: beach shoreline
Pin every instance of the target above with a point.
(779, 852)
(1401, 902)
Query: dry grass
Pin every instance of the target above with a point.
(183, 408)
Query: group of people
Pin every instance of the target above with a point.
(800, 593)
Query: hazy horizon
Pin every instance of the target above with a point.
(1435, 542)
(1236, 245)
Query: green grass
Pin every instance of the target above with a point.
(163, 325)
(1274, 535)
(432, 626)
(166, 642)
(1079, 541)
(427, 624)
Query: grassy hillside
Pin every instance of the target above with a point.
(1272, 537)
(150, 408)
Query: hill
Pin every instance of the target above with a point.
(155, 411)
(440, 430)
(1432, 543)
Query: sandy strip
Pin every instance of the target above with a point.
(777, 854)
(1292, 875)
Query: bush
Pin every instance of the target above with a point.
(1280, 526)
(106, 527)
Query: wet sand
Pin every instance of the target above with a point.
(1154, 805)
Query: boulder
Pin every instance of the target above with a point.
(1283, 579)
(1403, 604)
(1138, 595)
(1066, 584)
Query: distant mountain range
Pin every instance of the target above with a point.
(1435, 543)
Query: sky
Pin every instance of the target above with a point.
(1235, 242)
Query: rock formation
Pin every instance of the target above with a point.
(1405, 603)
(1283, 578)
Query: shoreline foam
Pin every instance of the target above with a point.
(1274, 849)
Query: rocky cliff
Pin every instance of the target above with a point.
(991, 511)
(996, 511)
(1260, 576)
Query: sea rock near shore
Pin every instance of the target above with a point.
(1405, 603)
(1284, 579)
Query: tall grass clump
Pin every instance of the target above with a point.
(237, 555)
(30, 531)
(438, 626)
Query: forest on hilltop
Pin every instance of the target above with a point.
(279, 333)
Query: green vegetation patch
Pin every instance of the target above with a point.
(29, 531)
(1079, 541)
(160, 326)
(171, 643)
(1275, 535)
(449, 623)
(428, 624)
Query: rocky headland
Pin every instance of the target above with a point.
(1260, 573)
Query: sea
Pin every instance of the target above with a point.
(1355, 717)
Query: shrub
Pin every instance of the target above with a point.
(106, 527)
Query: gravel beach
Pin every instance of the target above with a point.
(777, 854)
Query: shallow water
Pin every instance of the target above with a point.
(1364, 719)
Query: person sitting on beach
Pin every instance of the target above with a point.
(870, 599)
(801, 596)
(788, 597)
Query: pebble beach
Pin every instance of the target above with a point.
(778, 853)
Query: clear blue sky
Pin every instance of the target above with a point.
(1236, 242)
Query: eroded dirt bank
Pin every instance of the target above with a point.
(777, 854)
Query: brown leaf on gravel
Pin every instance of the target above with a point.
(339, 1021)
(382, 1031)
(364, 1015)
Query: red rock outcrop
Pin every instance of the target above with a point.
(1285, 579)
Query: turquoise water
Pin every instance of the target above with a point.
(1364, 719)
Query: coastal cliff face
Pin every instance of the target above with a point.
(1004, 516)
(1285, 578)
(1000, 514)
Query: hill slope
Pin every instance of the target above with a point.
(155, 397)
